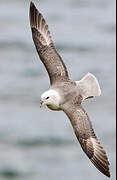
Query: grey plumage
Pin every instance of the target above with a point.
(70, 93)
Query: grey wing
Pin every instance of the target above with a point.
(45, 47)
(86, 136)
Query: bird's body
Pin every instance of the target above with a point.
(67, 95)
(64, 91)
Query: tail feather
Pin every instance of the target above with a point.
(89, 86)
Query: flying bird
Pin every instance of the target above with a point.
(67, 95)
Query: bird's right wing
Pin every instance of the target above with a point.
(45, 47)
(86, 136)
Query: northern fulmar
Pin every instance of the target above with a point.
(67, 95)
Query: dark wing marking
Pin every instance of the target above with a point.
(45, 47)
(86, 136)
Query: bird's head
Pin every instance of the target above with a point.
(50, 98)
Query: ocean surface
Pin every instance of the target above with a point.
(38, 144)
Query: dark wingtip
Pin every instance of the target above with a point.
(31, 4)
(108, 175)
(31, 13)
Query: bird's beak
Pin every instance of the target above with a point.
(41, 104)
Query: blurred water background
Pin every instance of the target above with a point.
(40, 144)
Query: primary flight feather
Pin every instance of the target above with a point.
(67, 95)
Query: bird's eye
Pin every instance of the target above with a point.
(47, 97)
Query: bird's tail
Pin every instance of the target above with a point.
(89, 86)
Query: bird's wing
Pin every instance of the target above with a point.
(45, 47)
(86, 136)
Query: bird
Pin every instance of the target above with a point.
(67, 95)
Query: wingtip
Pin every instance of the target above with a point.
(104, 170)
(100, 159)
(32, 12)
(108, 175)
(31, 3)
(32, 6)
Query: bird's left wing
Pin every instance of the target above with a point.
(86, 136)
(45, 47)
